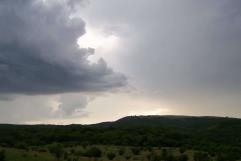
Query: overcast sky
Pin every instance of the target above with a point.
(86, 61)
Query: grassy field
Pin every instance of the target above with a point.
(12, 154)
(88, 153)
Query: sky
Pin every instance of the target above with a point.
(88, 61)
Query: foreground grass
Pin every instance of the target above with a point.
(13, 154)
(115, 153)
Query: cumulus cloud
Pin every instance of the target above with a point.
(39, 53)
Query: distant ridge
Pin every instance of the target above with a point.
(146, 120)
(167, 120)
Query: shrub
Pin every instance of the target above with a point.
(42, 150)
(75, 159)
(183, 157)
(135, 151)
(2, 155)
(111, 155)
(24, 155)
(79, 153)
(201, 156)
(227, 157)
(121, 151)
(72, 151)
(57, 150)
(154, 157)
(85, 144)
(164, 152)
(66, 156)
(128, 157)
(170, 158)
(21, 146)
(93, 152)
(182, 150)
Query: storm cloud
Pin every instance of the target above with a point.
(186, 53)
(175, 46)
(39, 52)
(180, 57)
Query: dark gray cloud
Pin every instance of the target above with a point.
(183, 56)
(39, 54)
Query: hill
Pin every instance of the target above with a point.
(171, 120)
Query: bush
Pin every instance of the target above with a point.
(75, 159)
(2, 155)
(85, 144)
(21, 146)
(79, 153)
(201, 156)
(93, 152)
(111, 155)
(128, 157)
(57, 150)
(72, 151)
(227, 157)
(164, 152)
(66, 155)
(182, 150)
(154, 157)
(135, 151)
(121, 151)
(183, 157)
(170, 158)
(149, 148)
(42, 150)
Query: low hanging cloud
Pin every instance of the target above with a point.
(39, 53)
(73, 105)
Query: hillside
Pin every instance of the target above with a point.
(172, 120)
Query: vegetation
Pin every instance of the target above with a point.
(93, 152)
(135, 151)
(183, 157)
(151, 138)
(111, 155)
(121, 151)
(2, 155)
(56, 150)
